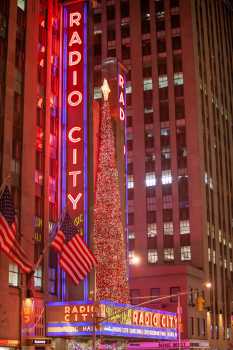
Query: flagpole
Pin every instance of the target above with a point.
(46, 248)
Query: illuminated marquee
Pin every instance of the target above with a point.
(76, 318)
(75, 106)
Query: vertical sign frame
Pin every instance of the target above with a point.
(74, 119)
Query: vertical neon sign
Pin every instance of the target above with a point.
(75, 113)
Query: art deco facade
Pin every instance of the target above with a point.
(179, 128)
(29, 94)
(179, 119)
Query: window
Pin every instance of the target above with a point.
(163, 81)
(110, 12)
(162, 67)
(125, 30)
(174, 3)
(97, 93)
(164, 111)
(152, 256)
(159, 8)
(155, 292)
(125, 52)
(148, 118)
(151, 216)
(179, 109)
(166, 177)
(131, 235)
(147, 71)
(160, 25)
(13, 276)
(184, 227)
(147, 84)
(130, 218)
(145, 25)
(149, 139)
(176, 43)
(175, 21)
(124, 9)
(38, 281)
(52, 280)
(130, 181)
(151, 230)
(146, 48)
(131, 257)
(130, 194)
(150, 179)
(97, 18)
(161, 45)
(168, 228)
(21, 4)
(134, 294)
(185, 253)
(177, 61)
(129, 121)
(111, 34)
(168, 254)
(178, 79)
(174, 290)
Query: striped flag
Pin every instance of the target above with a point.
(75, 259)
(8, 242)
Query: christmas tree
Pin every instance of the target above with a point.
(108, 236)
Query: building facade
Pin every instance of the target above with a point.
(179, 144)
(179, 140)
(30, 48)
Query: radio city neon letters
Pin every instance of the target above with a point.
(121, 84)
(74, 48)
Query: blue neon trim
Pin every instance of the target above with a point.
(85, 137)
(135, 307)
(64, 127)
(111, 303)
(62, 303)
(71, 324)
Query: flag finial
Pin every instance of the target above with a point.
(105, 89)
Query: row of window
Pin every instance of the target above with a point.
(14, 278)
(168, 229)
(145, 10)
(155, 293)
(168, 255)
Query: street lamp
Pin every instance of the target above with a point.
(135, 260)
(208, 284)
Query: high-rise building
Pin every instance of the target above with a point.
(179, 139)
(179, 144)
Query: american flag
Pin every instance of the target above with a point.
(8, 241)
(75, 259)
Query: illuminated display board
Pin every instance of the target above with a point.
(74, 100)
(75, 318)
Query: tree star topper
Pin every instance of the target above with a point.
(105, 89)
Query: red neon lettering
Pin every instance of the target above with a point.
(122, 114)
(75, 39)
(74, 58)
(71, 137)
(75, 18)
(77, 101)
(74, 174)
(74, 201)
(121, 81)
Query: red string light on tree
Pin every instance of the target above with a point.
(108, 235)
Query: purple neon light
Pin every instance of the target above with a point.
(64, 126)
